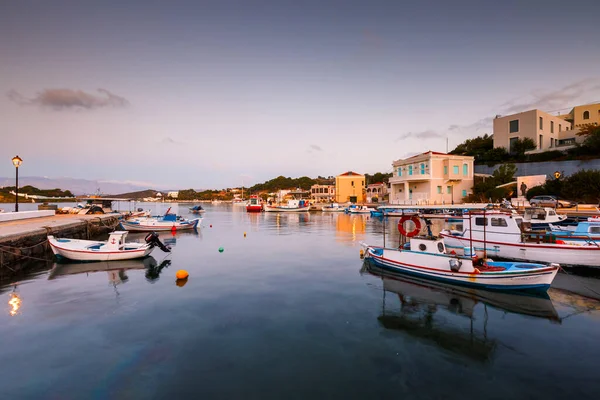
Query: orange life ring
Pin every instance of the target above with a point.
(415, 221)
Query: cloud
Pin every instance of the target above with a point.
(62, 99)
(555, 100)
(428, 134)
(315, 147)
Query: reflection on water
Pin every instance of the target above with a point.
(415, 304)
(14, 302)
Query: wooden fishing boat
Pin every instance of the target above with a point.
(254, 205)
(504, 235)
(334, 207)
(167, 222)
(115, 248)
(291, 206)
(426, 257)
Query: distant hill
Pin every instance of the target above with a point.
(76, 186)
(137, 195)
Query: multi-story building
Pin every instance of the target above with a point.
(322, 193)
(548, 132)
(431, 178)
(350, 186)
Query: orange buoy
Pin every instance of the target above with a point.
(182, 274)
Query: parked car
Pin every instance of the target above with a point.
(550, 201)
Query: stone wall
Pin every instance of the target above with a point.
(545, 168)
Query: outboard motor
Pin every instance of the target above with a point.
(153, 240)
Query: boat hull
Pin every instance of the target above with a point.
(255, 208)
(158, 226)
(436, 267)
(100, 255)
(286, 209)
(530, 252)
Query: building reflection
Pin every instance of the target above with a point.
(350, 227)
(413, 306)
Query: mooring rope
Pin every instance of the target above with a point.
(578, 281)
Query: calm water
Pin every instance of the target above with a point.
(289, 311)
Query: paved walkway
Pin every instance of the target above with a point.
(25, 226)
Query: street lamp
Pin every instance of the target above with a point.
(17, 163)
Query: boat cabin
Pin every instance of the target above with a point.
(542, 214)
(424, 245)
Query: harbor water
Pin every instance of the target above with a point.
(287, 310)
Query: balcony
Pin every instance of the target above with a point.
(410, 178)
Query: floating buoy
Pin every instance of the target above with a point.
(173, 228)
(362, 253)
(244, 234)
(221, 249)
(211, 225)
(182, 274)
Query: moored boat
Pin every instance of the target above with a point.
(115, 248)
(542, 217)
(333, 207)
(358, 210)
(291, 206)
(427, 258)
(585, 231)
(197, 209)
(254, 205)
(508, 236)
(167, 222)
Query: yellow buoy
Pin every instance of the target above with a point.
(244, 234)
(362, 253)
(182, 274)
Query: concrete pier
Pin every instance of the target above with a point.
(26, 240)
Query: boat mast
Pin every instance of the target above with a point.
(484, 244)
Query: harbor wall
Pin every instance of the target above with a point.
(547, 168)
(19, 250)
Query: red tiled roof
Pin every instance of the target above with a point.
(437, 153)
(349, 173)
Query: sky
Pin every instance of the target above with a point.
(211, 94)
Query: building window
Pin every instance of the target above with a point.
(513, 126)
(465, 170)
(352, 183)
(551, 142)
(439, 190)
(586, 115)
(449, 189)
(511, 146)
(455, 169)
(559, 127)
(422, 169)
(399, 171)
(541, 123)
(464, 193)
(445, 170)
(551, 126)
(541, 141)
(410, 169)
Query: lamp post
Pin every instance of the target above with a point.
(17, 163)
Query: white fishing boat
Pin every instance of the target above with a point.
(359, 210)
(542, 217)
(115, 248)
(505, 235)
(334, 207)
(427, 258)
(167, 222)
(291, 206)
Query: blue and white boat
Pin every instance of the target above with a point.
(542, 217)
(167, 222)
(587, 231)
(427, 258)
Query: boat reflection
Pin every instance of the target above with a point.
(116, 270)
(420, 301)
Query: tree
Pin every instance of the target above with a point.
(504, 174)
(520, 146)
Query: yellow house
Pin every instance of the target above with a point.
(350, 186)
